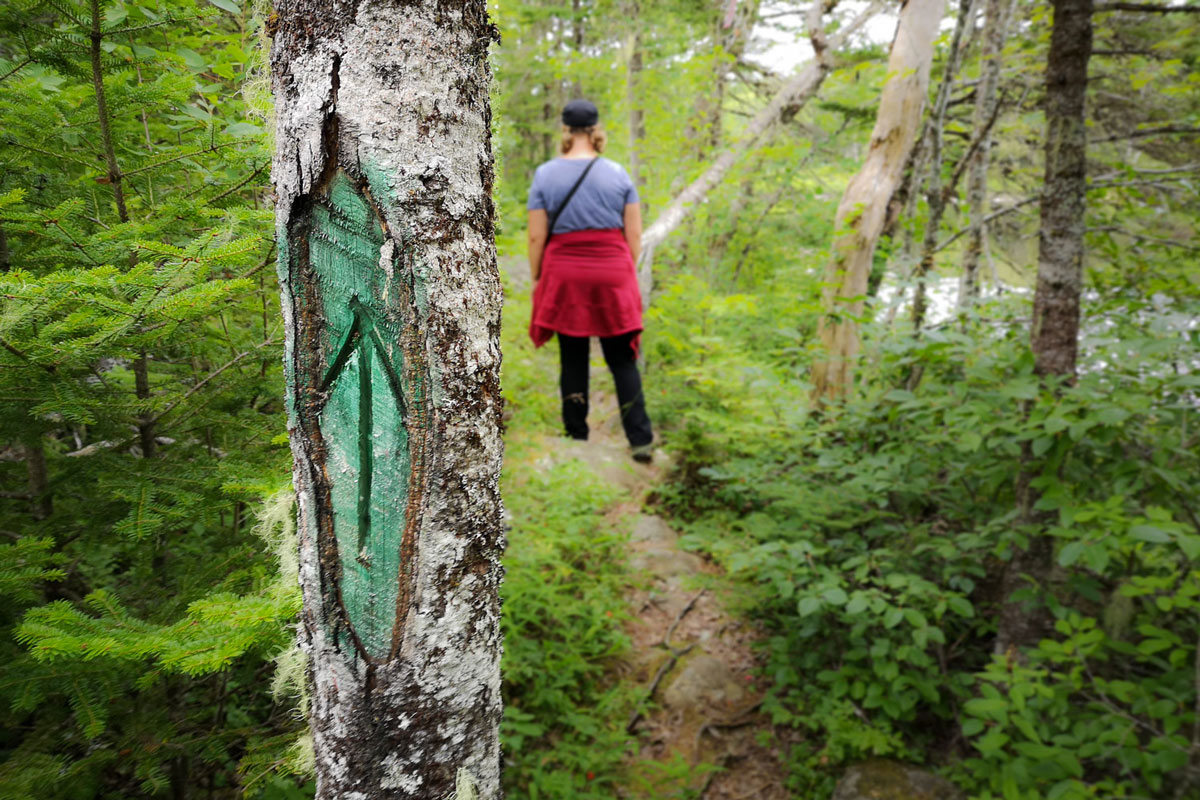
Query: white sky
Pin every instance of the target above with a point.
(782, 52)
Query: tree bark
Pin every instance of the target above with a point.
(391, 302)
(41, 503)
(862, 212)
(1055, 331)
(935, 197)
(997, 14)
(794, 94)
(633, 99)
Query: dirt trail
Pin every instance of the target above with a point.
(690, 657)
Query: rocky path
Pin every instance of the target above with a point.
(699, 729)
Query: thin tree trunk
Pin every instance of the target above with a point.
(141, 387)
(633, 99)
(936, 199)
(391, 300)
(110, 154)
(862, 212)
(141, 368)
(41, 504)
(997, 14)
(5, 259)
(795, 93)
(1055, 330)
(548, 123)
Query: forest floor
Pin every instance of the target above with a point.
(699, 729)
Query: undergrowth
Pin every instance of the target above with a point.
(871, 540)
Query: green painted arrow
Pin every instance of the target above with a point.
(367, 458)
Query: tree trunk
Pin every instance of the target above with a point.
(936, 198)
(861, 214)
(1055, 331)
(391, 302)
(633, 99)
(997, 14)
(41, 503)
(5, 263)
(794, 94)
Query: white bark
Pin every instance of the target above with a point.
(862, 211)
(393, 96)
(795, 93)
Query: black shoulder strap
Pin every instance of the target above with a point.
(570, 194)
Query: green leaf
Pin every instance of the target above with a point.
(227, 5)
(960, 605)
(1150, 533)
(1071, 552)
(835, 596)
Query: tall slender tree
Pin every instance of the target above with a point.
(391, 298)
(1055, 333)
(861, 213)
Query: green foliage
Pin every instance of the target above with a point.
(140, 368)
(875, 538)
(563, 731)
(563, 600)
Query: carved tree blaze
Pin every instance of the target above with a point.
(391, 306)
(362, 383)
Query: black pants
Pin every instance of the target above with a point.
(622, 362)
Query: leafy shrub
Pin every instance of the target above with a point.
(875, 537)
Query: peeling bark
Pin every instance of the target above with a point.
(1055, 332)
(863, 210)
(391, 300)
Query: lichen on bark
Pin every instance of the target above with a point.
(383, 176)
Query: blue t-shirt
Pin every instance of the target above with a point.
(598, 204)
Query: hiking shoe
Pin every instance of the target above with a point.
(643, 453)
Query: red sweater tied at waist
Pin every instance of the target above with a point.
(588, 287)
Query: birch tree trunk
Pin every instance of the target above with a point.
(391, 300)
(1055, 332)
(794, 94)
(861, 214)
(997, 14)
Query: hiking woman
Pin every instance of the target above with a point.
(585, 229)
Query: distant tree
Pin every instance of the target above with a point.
(391, 299)
(1056, 307)
(862, 211)
(790, 98)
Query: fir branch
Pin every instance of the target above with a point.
(51, 153)
(215, 373)
(211, 148)
(16, 69)
(257, 171)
